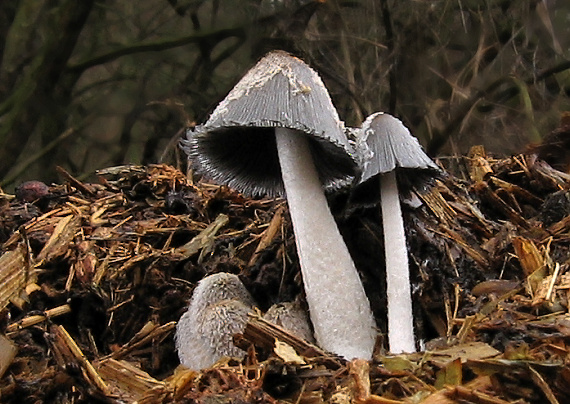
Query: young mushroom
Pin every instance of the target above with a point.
(217, 310)
(277, 132)
(291, 317)
(385, 145)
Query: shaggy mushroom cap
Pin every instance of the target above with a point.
(217, 287)
(292, 317)
(218, 309)
(386, 144)
(237, 146)
(219, 323)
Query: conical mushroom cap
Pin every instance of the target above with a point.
(385, 144)
(236, 146)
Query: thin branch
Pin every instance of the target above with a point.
(439, 140)
(158, 46)
(23, 166)
(550, 71)
(388, 27)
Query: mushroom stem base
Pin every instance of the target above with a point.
(339, 309)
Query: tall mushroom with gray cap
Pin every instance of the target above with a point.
(278, 131)
(385, 145)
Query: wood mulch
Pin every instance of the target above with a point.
(93, 278)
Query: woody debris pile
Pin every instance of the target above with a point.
(95, 276)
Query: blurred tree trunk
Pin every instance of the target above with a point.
(34, 93)
(85, 84)
(7, 12)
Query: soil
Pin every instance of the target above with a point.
(93, 278)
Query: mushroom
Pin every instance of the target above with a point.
(292, 317)
(385, 145)
(218, 310)
(277, 132)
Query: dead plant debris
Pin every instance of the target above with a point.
(93, 278)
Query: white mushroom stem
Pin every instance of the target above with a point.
(339, 309)
(400, 317)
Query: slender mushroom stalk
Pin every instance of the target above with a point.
(278, 132)
(398, 289)
(386, 144)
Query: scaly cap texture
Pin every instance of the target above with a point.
(385, 144)
(218, 310)
(236, 146)
(291, 317)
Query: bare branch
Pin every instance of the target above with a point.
(157, 46)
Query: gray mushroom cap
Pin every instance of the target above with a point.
(217, 287)
(236, 146)
(385, 144)
(218, 309)
(292, 317)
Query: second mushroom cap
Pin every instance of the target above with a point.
(386, 144)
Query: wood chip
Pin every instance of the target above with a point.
(125, 380)
(36, 319)
(62, 236)
(7, 353)
(204, 240)
(68, 345)
(15, 273)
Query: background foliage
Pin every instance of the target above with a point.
(90, 84)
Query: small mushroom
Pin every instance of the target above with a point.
(219, 323)
(385, 145)
(218, 310)
(292, 317)
(277, 132)
(217, 287)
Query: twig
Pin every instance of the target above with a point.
(157, 46)
(36, 319)
(63, 336)
(86, 189)
(158, 331)
(23, 166)
(552, 282)
(543, 385)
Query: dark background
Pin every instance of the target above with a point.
(92, 84)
